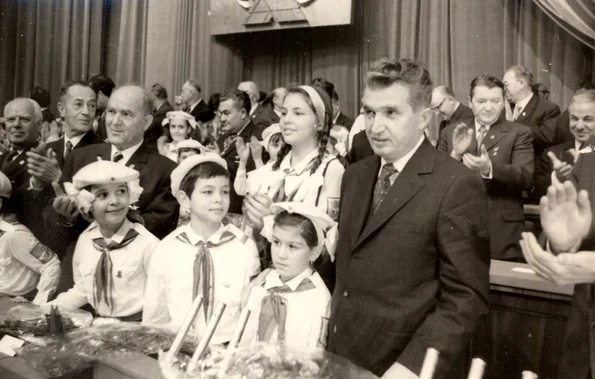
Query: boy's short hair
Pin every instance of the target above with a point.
(204, 170)
(186, 150)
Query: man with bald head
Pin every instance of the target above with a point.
(128, 114)
(261, 116)
(448, 108)
(277, 97)
(193, 103)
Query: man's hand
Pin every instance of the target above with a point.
(565, 216)
(561, 168)
(44, 169)
(64, 205)
(563, 269)
(461, 140)
(481, 164)
(398, 371)
(256, 208)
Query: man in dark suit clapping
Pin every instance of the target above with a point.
(412, 257)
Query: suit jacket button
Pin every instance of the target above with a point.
(345, 293)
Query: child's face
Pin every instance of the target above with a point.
(210, 200)
(111, 203)
(290, 252)
(274, 148)
(179, 130)
(185, 154)
(298, 121)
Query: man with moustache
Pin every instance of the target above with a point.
(501, 153)
(412, 258)
(234, 108)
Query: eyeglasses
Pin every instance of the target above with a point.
(437, 107)
(506, 85)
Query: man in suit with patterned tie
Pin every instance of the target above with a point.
(537, 113)
(234, 107)
(412, 258)
(262, 116)
(501, 153)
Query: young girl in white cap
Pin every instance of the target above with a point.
(292, 303)
(111, 258)
(180, 125)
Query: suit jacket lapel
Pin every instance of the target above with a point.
(408, 183)
(361, 194)
(139, 158)
(528, 110)
(59, 150)
(19, 163)
(495, 134)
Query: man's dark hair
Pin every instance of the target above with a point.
(71, 83)
(324, 84)
(486, 81)
(204, 170)
(41, 96)
(159, 91)
(241, 100)
(103, 84)
(213, 102)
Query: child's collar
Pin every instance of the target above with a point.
(215, 238)
(273, 279)
(118, 237)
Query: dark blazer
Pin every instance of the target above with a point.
(462, 112)
(360, 148)
(563, 133)
(58, 146)
(157, 206)
(155, 130)
(101, 131)
(578, 358)
(416, 273)
(344, 121)
(231, 157)
(201, 112)
(511, 152)
(263, 116)
(543, 171)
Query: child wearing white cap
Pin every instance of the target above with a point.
(180, 125)
(292, 303)
(27, 268)
(189, 148)
(112, 255)
(203, 258)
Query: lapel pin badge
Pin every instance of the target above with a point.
(22, 163)
(492, 137)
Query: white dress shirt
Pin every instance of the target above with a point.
(26, 264)
(308, 311)
(127, 153)
(129, 271)
(400, 163)
(518, 107)
(194, 106)
(74, 140)
(171, 277)
(477, 126)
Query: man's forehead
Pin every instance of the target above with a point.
(81, 92)
(583, 107)
(483, 91)
(509, 75)
(227, 104)
(393, 96)
(123, 99)
(19, 108)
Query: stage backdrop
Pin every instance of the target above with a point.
(241, 16)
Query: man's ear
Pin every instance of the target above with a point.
(148, 121)
(61, 109)
(425, 116)
(243, 113)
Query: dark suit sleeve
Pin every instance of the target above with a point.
(519, 172)
(545, 130)
(463, 269)
(543, 174)
(161, 214)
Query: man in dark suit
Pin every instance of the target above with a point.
(567, 221)
(77, 106)
(193, 102)
(501, 152)
(162, 106)
(448, 108)
(235, 122)
(537, 113)
(360, 148)
(277, 98)
(563, 133)
(338, 117)
(412, 257)
(261, 115)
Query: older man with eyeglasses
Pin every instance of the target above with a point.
(450, 110)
